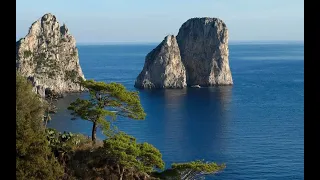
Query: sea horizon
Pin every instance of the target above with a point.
(232, 42)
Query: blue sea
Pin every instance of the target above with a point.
(255, 126)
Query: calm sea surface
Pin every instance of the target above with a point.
(256, 126)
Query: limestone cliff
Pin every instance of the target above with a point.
(203, 50)
(48, 57)
(203, 44)
(163, 67)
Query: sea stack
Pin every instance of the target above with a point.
(48, 57)
(163, 67)
(203, 48)
(203, 44)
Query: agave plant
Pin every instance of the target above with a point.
(53, 137)
(61, 143)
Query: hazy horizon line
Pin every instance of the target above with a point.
(230, 42)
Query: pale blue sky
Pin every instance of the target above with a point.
(103, 21)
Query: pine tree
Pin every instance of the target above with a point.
(105, 103)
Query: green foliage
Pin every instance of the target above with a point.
(117, 98)
(168, 174)
(61, 142)
(46, 116)
(63, 40)
(27, 53)
(199, 165)
(83, 160)
(51, 74)
(34, 159)
(74, 53)
(71, 75)
(105, 103)
(123, 151)
(40, 59)
(65, 141)
(191, 170)
(80, 80)
(89, 111)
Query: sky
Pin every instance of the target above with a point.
(140, 21)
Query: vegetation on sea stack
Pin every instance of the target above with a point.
(105, 103)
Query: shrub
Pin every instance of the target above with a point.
(34, 159)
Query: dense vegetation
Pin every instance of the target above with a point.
(44, 153)
(128, 155)
(34, 159)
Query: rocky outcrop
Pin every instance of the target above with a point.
(203, 44)
(48, 57)
(163, 67)
(203, 49)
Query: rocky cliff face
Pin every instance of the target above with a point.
(48, 56)
(203, 44)
(203, 47)
(163, 67)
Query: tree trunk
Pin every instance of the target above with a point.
(186, 174)
(45, 123)
(47, 118)
(94, 132)
(121, 171)
(192, 175)
(48, 112)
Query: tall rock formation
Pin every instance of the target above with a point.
(163, 67)
(203, 48)
(203, 44)
(48, 56)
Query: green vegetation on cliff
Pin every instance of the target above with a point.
(128, 155)
(34, 159)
